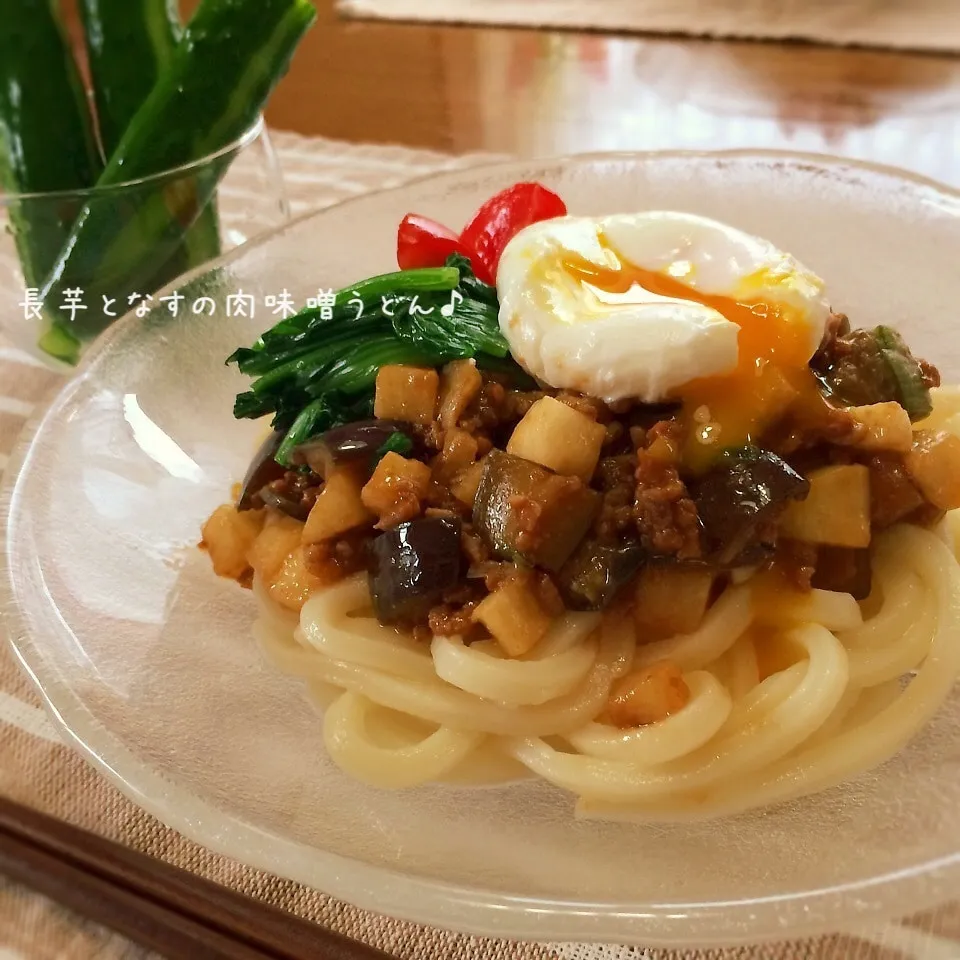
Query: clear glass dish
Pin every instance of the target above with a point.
(223, 198)
(146, 661)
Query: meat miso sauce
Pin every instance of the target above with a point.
(681, 470)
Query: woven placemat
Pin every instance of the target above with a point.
(907, 24)
(37, 769)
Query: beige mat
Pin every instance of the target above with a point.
(908, 24)
(37, 769)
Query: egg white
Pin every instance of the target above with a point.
(575, 336)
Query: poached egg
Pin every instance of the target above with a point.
(664, 306)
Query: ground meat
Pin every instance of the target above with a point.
(615, 478)
(332, 560)
(453, 616)
(473, 546)
(893, 495)
(439, 499)
(527, 513)
(854, 369)
(516, 403)
(589, 406)
(448, 620)
(837, 325)
(812, 430)
(548, 595)
(293, 494)
(495, 405)
(929, 373)
(798, 562)
(665, 515)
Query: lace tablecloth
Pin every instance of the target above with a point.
(37, 769)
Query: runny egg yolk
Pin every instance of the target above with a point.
(771, 374)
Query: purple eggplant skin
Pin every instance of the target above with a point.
(748, 489)
(351, 443)
(263, 469)
(593, 577)
(292, 508)
(411, 566)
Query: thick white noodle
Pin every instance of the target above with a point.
(681, 733)
(347, 743)
(399, 712)
(725, 621)
(877, 725)
(515, 682)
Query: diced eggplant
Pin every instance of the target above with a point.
(525, 511)
(351, 443)
(844, 570)
(411, 567)
(296, 508)
(595, 574)
(739, 498)
(263, 469)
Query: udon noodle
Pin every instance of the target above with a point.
(400, 713)
(635, 513)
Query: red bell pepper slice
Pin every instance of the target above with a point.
(422, 242)
(501, 218)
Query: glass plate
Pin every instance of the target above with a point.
(146, 662)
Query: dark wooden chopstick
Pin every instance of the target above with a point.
(159, 906)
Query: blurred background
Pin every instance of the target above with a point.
(543, 91)
(459, 89)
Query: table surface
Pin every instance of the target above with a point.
(462, 89)
(536, 92)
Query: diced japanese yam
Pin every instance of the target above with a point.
(558, 437)
(836, 511)
(396, 489)
(459, 451)
(465, 484)
(293, 584)
(406, 393)
(280, 536)
(934, 465)
(884, 426)
(338, 507)
(513, 614)
(647, 695)
(670, 599)
(228, 535)
(460, 382)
